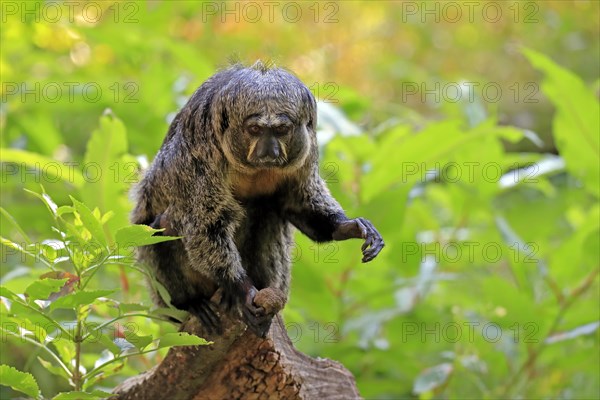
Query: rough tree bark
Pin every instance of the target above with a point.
(240, 365)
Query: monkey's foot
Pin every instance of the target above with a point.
(204, 310)
(258, 324)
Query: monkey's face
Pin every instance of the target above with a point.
(272, 141)
(270, 119)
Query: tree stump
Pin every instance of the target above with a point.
(240, 365)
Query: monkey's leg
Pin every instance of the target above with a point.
(204, 310)
(255, 317)
(184, 295)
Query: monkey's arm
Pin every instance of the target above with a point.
(319, 216)
(208, 228)
(205, 216)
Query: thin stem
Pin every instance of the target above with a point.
(98, 368)
(535, 353)
(77, 378)
(41, 346)
(54, 323)
(107, 323)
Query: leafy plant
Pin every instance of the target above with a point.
(62, 316)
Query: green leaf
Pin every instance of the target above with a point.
(106, 341)
(16, 246)
(46, 199)
(4, 292)
(58, 371)
(139, 235)
(432, 378)
(95, 394)
(90, 221)
(20, 381)
(129, 307)
(76, 299)
(181, 339)
(162, 312)
(65, 172)
(140, 342)
(43, 288)
(576, 124)
(106, 154)
(404, 159)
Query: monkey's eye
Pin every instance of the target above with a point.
(254, 129)
(281, 130)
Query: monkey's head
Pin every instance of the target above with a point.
(266, 119)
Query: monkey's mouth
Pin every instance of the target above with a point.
(266, 162)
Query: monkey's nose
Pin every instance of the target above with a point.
(268, 151)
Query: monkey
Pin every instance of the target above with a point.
(237, 171)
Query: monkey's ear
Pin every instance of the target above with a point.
(310, 103)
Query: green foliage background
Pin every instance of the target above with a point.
(488, 285)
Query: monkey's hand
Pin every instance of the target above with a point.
(255, 316)
(360, 228)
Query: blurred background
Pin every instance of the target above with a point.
(467, 132)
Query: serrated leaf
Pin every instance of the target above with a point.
(107, 342)
(20, 381)
(67, 288)
(181, 339)
(43, 288)
(139, 235)
(76, 299)
(140, 342)
(95, 394)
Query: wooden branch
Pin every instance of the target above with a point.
(240, 365)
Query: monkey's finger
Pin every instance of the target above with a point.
(259, 325)
(360, 222)
(374, 250)
(207, 316)
(368, 243)
(255, 310)
(209, 322)
(371, 236)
